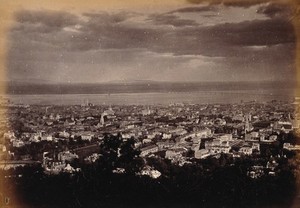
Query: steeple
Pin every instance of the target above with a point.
(247, 125)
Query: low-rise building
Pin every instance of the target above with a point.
(165, 144)
(148, 149)
(247, 150)
(218, 146)
(202, 153)
(175, 153)
(67, 156)
(18, 143)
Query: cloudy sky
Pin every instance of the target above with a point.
(187, 42)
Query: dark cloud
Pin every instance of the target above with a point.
(110, 31)
(39, 40)
(257, 32)
(169, 19)
(99, 31)
(236, 3)
(275, 10)
(196, 9)
(107, 18)
(29, 28)
(95, 35)
(243, 3)
(228, 40)
(209, 15)
(53, 19)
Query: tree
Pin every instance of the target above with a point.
(117, 153)
(110, 152)
(129, 156)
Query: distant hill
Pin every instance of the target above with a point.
(137, 86)
(132, 81)
(29, 81)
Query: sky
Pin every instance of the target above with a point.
(186, 42)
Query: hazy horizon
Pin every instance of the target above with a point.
(145, 87)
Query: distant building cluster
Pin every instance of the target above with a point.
(181, 133)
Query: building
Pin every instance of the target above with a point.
(202, 153)
(247, 150)
(149, 171)
(284, 126)
(217, 146)
(252, 137)
(175, 153)
(291, 147)
(87, 135)
(18, 143)
(67, 156)
(149, 149)
(165, 144)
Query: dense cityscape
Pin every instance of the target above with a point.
(165, 104)
(179, 150)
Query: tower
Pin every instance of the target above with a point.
(102, 119)
(247, 125)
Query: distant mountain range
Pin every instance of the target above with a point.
(36, 86)
(43, 81)
(133, 81)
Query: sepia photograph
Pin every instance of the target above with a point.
(148, 103)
